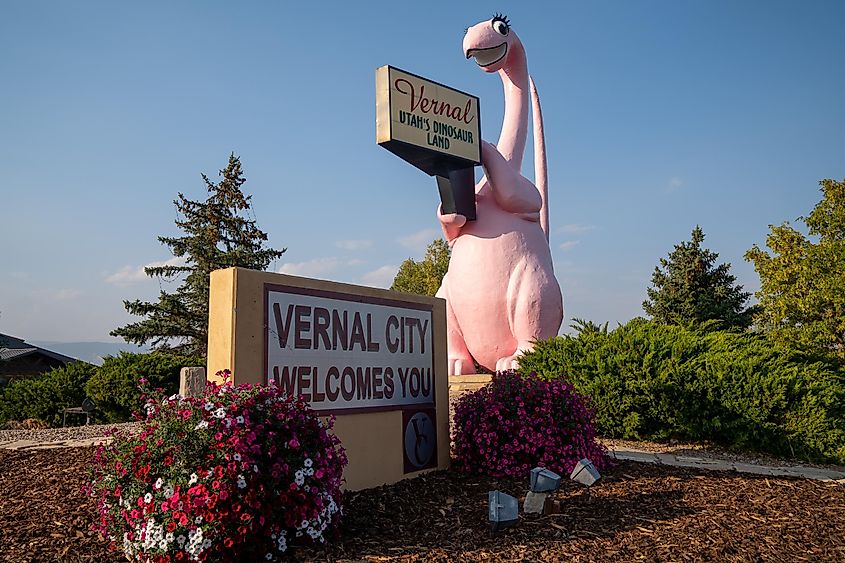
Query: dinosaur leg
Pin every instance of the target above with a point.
(460, 360)
(535, 310)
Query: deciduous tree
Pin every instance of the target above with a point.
(802, 281)
(424, 277)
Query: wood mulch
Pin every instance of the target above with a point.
(637, 511)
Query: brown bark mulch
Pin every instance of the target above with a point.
(637, 511)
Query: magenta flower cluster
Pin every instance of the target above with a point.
(240, 474)
(518, 422)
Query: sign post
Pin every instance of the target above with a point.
(434, 127)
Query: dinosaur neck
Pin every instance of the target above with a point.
(515, 125)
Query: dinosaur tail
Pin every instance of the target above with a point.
(541, 172)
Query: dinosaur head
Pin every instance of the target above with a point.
(491, 43)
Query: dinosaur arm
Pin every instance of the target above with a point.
(511, 190)
(451, 224)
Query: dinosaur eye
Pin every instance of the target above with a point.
(500, 24)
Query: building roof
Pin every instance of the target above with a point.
(12, 347)
(9, 353)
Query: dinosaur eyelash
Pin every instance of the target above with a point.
(502, 18)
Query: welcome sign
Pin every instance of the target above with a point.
(347, 353)
(434, 127)
(374, 359)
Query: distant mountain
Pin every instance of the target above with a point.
(91, 352)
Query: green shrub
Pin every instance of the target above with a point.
(45, 398)
(741, 390)
(114, 388)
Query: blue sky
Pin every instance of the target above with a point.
(659, 115)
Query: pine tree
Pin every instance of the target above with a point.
(689, 288)
(802, 282)
(424, 277)
(217, 234)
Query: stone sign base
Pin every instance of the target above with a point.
(460, 384)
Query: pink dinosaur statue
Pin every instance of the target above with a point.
(501, 292)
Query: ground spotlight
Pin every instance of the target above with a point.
(585, 473)
(544, 481)
(503, 510)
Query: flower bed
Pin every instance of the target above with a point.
(515, 423)
(239, 474)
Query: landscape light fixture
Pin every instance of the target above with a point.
(585, 473)
(503, 510)
(544, 481)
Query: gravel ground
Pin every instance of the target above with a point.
(63, 434)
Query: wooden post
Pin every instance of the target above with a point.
(192, 382)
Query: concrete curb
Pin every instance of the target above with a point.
(799, 471)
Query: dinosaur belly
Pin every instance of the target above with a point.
(500, 273)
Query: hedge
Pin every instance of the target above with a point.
(45, 398)
(650, 381)
(114, 387)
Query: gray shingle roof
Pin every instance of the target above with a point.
(9, 353)
(11, 347)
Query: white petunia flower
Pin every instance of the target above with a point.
(209, 405)
(241, 482)
(158, 484)
(148, 498)
(220, 413)
(308, 462)
(193, 479)
(239, 419)
(236, 457)
(201, 425)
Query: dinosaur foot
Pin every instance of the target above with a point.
(507, 363)
(461, 366)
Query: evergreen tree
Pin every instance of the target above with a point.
(689, 288)
(217, 234)
(802, 284)
(424, 277)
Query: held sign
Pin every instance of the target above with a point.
(432, 126)
(347, 353)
